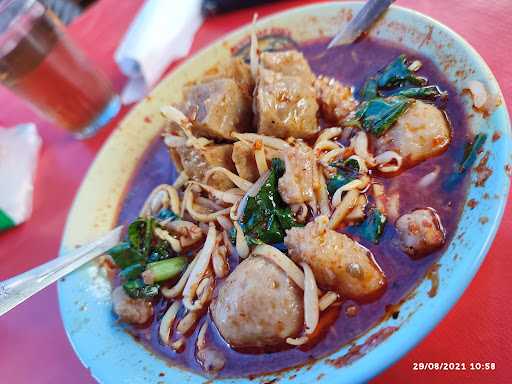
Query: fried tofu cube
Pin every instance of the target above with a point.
(237, 70)
(335, 99)
(196, 162)
(285, 106)
(290, 63)
(217, 108)
(245, 161)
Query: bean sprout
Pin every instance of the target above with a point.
(253, 53)
(388, 161)
(242, 248)
(360, 144)
(311, 310)
(282, 261)
(259, 155)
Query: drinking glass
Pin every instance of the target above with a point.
(40, 63)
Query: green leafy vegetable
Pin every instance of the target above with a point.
(251, 241)
(142, 250)
(124, 255)
(166, 269)
(136, 289)
(132, 272)
(278, 166)
(471, 152)
(167, 214)
(370, 89)
(161, 251)
(470, 156)
(372, 227)
(378, 115)
(347, 171)
(430, 92)
(395, 74)
(140, 235)
(266, 215)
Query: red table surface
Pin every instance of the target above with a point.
(33, 344)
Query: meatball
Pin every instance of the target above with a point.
(421, 232)
(133, 311)
(420, 133)
(296, 185)
(258, 305)
(338, 262)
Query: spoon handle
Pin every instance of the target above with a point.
(19, 288)
(361, 22)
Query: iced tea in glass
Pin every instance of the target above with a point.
(40, 63)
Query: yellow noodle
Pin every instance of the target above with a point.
(223, 196)
(243, 184)
(346, 205)
(177, 289)
(203, 261)
(297, 341)
(268, 141)
(181, 180)
(167, 321)
(187, 322)
(327, 300)
(164, 235)
(354, 184)
(328, 134)
(330, 156)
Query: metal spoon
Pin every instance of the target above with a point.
(17, 289)
(363, 20)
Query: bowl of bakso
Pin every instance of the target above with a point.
(293, 213)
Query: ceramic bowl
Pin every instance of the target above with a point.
(114, 357)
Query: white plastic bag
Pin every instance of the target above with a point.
(19, 151)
